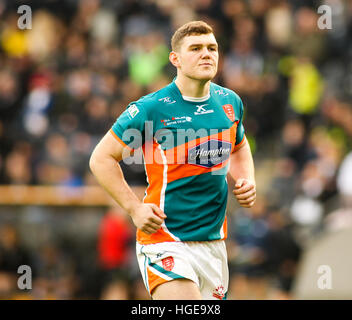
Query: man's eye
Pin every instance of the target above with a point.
(195, 49)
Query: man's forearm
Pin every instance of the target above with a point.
(241, 164)
(110, 176)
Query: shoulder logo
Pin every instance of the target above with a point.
(221, 92)
(228, 109)
(167, 100)
(133, 110)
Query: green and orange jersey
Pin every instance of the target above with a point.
(186, 143)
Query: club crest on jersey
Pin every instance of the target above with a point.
(219, 292)
(228, 109)
(168, 263)
(210, 153)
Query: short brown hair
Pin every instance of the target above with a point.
(188, 29)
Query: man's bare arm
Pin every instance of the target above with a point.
(242, 171)
(104, 163)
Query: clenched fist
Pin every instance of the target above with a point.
(148, 217)
(245, 192)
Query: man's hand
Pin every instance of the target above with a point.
(148, 217)
(245, 192)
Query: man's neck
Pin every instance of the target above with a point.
(192, 88)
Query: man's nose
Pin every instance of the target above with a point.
(205, 52)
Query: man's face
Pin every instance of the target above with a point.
(198, 56)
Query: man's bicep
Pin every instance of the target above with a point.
(111, 146)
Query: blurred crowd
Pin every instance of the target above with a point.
(65, 81)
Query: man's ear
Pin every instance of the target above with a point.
(173, 57)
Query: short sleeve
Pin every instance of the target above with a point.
(240, 128)
(240, 134)
(129, 127)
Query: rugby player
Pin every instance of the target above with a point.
(192, 136)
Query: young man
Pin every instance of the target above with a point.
(191, 134)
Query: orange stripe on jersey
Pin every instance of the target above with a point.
(224, 228)
(176, 157)
(154, 280)
(154, 172)
(159, 236)
(155, 178)
(178, 154)
(179, 171)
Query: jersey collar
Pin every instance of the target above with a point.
(190, 99)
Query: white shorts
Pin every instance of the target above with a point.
(203, 262)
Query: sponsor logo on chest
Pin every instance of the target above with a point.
(209, 153)
(202, 109)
